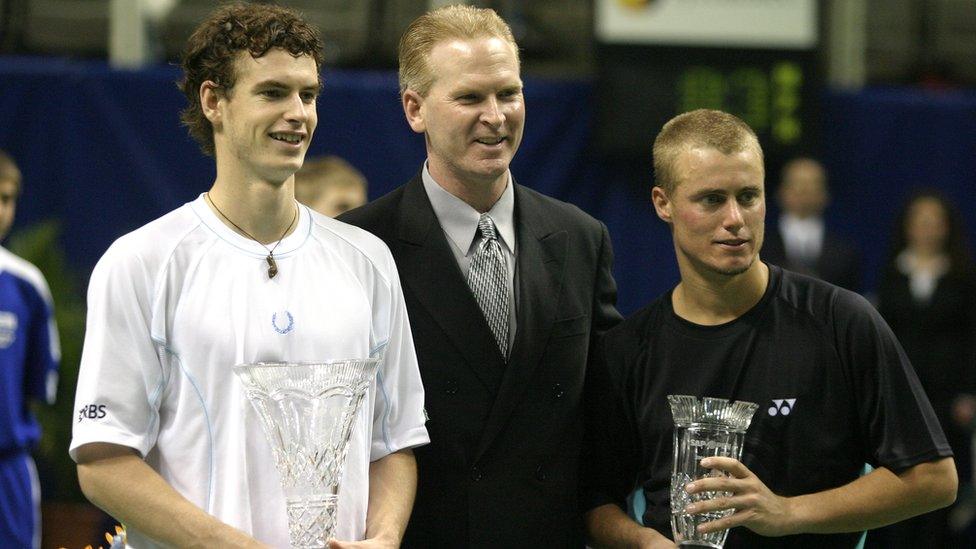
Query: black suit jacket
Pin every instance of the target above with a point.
(838, 262)
(502, 466)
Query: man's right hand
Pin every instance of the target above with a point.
(608, 527)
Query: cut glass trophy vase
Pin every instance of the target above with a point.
(703, 427)
(307, 411)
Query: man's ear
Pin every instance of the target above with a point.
(662, 204)
(413, 109)
(210, 97)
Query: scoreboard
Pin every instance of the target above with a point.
(756, 59)
(639, 88)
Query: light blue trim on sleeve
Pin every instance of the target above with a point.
(636, 505)
(386, 412)
(385, 422)
(864, 536)
(206, 415)
(156, 397)
(376, 350)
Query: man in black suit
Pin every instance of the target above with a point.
(801, 241)
(505, 289)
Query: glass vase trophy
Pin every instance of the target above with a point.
(703, 427)
(306, 411)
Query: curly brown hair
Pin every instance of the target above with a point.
(212, 49)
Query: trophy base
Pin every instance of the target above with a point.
(311, 521)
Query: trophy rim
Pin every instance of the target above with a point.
(701, 399)
(284, 363)
(690, 410)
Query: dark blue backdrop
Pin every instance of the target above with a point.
(102, 150)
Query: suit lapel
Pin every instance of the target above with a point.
(429, 269)
(541, 253)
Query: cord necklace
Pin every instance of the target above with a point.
(272, 265)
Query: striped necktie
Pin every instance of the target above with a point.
(487, 278)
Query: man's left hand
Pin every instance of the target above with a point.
(756, 507)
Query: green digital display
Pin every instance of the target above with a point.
(768, 99)
(639, 88)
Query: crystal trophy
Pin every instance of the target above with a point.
(703, 427)
(307, 411)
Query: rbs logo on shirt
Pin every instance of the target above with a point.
(91, 411)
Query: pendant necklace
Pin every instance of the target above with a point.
(272, 266)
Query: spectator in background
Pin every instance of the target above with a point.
(29, 355)
(801, 241)
(330, 185)
(928, 296)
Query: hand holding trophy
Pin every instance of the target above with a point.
(703, 427)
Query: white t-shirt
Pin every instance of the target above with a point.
(802, 238)
(174, 305)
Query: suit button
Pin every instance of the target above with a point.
(476, 474)
(557, 391)
(541, 475)
(451, 387)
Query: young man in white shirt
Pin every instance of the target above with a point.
(241, 274)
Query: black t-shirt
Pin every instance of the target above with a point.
(834, 388)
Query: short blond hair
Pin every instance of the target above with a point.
(702, 128)
(448, 23)
(321, 174)
(9, 170)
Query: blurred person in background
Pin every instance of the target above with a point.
(29, 355)
(801, 241)
(927, 295)
(330, 185)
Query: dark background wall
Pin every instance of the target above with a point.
(103, 151)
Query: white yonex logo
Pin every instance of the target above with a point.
(782, 406)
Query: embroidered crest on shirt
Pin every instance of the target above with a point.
(8, 328)
(290, 325)
(782, 406)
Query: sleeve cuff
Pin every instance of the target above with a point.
(410, 439)
(110, 436)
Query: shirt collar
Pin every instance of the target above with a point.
(303, 229)
(460, 221)
(791, 223)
